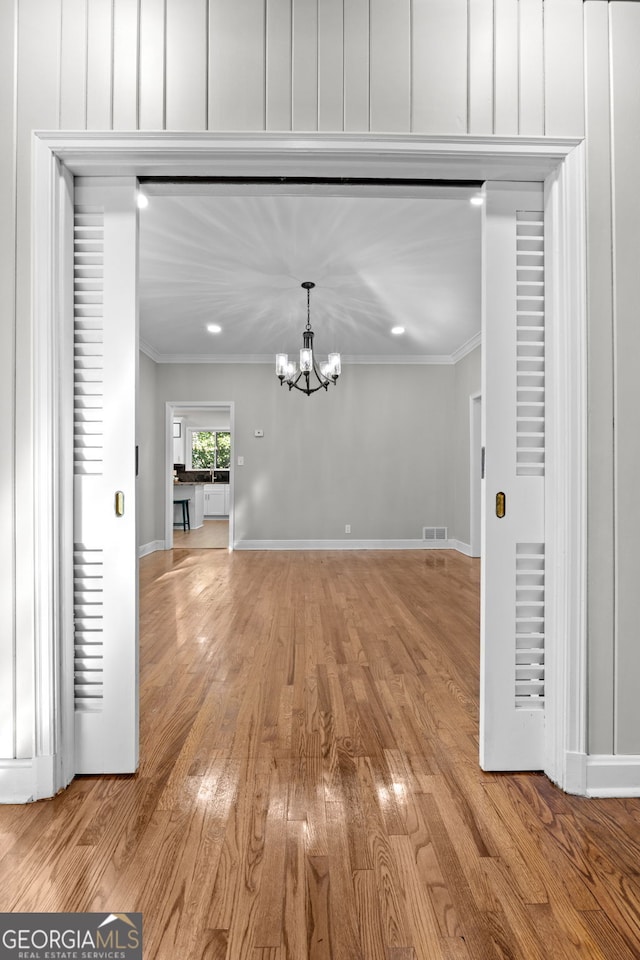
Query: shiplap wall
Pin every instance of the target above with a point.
(479, 67)
(428, 66)
(624, 233)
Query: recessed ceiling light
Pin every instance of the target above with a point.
(143, 200)
(396, 331)
(214, 328)
(476, 201)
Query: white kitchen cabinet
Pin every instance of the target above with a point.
(216, 500)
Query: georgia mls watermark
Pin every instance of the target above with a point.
(70, 936)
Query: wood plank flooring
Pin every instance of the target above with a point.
(309, 786)
(213, 534)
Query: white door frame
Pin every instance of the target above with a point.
(59, 155)
(173, 407)
(475, 468)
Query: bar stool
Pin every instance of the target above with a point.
(186, 523)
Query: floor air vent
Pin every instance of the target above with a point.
(434, 533)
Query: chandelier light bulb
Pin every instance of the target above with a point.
(335, 367)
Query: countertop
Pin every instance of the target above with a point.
(200, 483)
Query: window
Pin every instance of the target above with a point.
(210, 450)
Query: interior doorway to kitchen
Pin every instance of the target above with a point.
(198, 487)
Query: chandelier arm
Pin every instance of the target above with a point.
(322, 381)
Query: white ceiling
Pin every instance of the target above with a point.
(239, 260)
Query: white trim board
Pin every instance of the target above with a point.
(22, 781)
(199, 154)
(347, 545)
(59, 155)
(475, 474)
(604, 775)
(146, 548)
(461, 547)
(464, 548)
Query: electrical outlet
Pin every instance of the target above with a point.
(347, 528)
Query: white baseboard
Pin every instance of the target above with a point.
(465, 548)
(343, 545)
(458, 545)
(461, 547)
(603, 775)
(151, 547)
(22, 781)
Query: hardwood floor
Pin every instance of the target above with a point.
(212, 535)
(309, 786)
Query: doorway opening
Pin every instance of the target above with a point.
(559, 163)
(199, 445)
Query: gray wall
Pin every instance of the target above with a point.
(376, 451)
(503, 67)
(467, 382)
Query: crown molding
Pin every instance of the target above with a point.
(468, 347)
(420, 359)
(150, 351)
(347, 360)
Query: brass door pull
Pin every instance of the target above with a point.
(501, 505)
(119, 503)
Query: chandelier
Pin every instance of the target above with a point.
(325, 373)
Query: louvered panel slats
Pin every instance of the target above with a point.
(529, 622)
(89, 629)
(530, 347)
(88, 363)
(88, 281)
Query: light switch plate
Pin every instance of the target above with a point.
(241, 461)
(258, 433)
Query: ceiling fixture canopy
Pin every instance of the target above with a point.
(325, 373)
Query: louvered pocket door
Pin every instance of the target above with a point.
(513, 666)
(105, 549)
